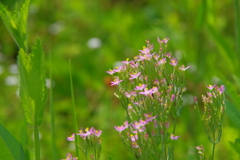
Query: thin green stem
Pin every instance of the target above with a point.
(74, 112)
(213, 150)
(172, 145)
(174, 125)
(36, 143)
(53, 145)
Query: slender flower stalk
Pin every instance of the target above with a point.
(73, 109)
(212, 116)
(36, 143)
(92, 143)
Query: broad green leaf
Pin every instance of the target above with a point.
(236, 145)
(16, 23)
(10, 147)
(32, 83)
(233, 100)
(233, 113)
(231, 110)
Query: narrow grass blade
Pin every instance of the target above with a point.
(54, 149)
(74, 111)
(10, 147)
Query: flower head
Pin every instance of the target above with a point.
(172, 97)
(97, 132)
(173, 62)
(71, 138)
(210, 87)
(172, 137)
(111, 71)
(126, 62)
(70, 157)
(145, 50)
(116, 81)
(149, 117)
(165, 40)
(134, 75)
(129, 94)
(122, 127)
(183, 68)
(220, 89)
(162, 61)
(84, 135)
(149, 92)
(200, 149)
(140, 87)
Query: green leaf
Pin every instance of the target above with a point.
(32, 83)
(10, 147)
(236, 145)
(16, 23)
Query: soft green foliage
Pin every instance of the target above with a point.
(16, 22)
(10, 147)
(32, 83)
(202, 35)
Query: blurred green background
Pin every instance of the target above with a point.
(96, 35)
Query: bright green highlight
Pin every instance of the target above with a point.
(32, 83)
(16, 23)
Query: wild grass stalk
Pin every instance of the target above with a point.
(74, 111)
(36, 143)
(53, 133)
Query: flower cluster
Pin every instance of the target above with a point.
(139, 135)
(214, 108)
(70, 157)
(200, 149)
(92, 141)
(150, 84)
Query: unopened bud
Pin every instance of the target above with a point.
(195, 100)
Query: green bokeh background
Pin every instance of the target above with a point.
(202, 34)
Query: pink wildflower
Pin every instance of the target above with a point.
(173, 62)
(71, 138)
(110, 72)
(210, 87)
(116, 81)
(174, 137)
(122, 127)
(134, 75)
(162, 61)
(145, 51)
(220, 89)
(140, 87)
(183, 68)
